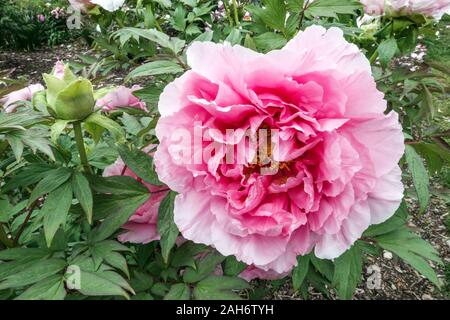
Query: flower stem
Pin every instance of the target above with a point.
(235, 10)
(374, 57)
(227, 11)
(80, 145)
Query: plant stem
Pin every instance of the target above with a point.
(227, 11)
(80, 145)
(24, 223)
(374, 57)
(236, 15)
(7, 242)
(302, 16)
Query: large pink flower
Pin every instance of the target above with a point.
(431, 8)
(142, 226)
(121, 97)
(336, 151)
(10, 101)
(373, 7)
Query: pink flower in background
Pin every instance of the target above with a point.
(41, 18)
(336, 154)
(430, 8)
(10, 101)
(142, 226)
(121, 97)
(58, 70)
(373, 7)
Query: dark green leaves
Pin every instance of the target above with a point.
(38, 271)
(155, 68)
(330, 8)
(347, 273)
(140, 163)
(219, 288)
(166, 226)
(204, 267)
(96, 119)
(55, 210)
(419, 175)
(52, 180)
(412, 249)
(387, 50)
(83, 193)
(179, 291)
(300, 271)
(233, 267)
(118, 199)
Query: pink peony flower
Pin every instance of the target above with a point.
(109, 5)
(10, 101)
(335, 151)
(121, 97)
(41, 18)
(373, 7)
(142, 226)
(430, 8)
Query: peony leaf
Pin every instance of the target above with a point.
(51, 288)
(300, 271)
(113, 127)
(179, 291)
(419, 175)
(166, 225)
(83, 193)
(219, 288)
(155, 68)
(387, 50)
(347, 273)
(55, 210)
(140, 163)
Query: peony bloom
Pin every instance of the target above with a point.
(121, 97)
(429, 8)
(10, 101)
(109, 5)
(373, 7)
(142, 226)
(329, 169)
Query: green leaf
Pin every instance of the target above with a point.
(411, 248)
(219, 288)
(205, 267)
(347, 273)
(324, 266)
(55, 210)
(116, 210)
(38, 271)
(22, 253)
(184, 255)
(150, 95)
(166, 225)
(52, 180)
(233, 267)
(300, 271)
(387, 50)
(57, 129)
(140, 163)
(179, 291)
(98, 284)
(393, 223)
(273, 14)
(331, 8)
(419, 176)
(234, 37)
(155, 68)
(270, 41)
(51, 288)
(113, 127)
(83, 193)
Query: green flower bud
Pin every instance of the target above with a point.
(69, 97)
